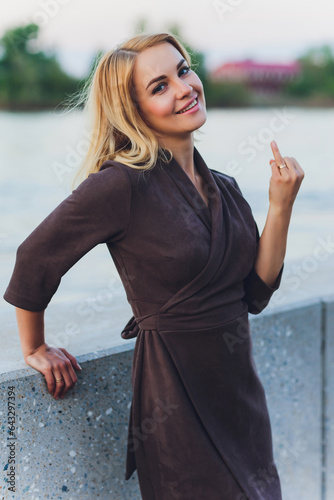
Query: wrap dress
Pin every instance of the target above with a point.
(199, 427)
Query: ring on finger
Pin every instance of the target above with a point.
(284, 165)
(58, 380)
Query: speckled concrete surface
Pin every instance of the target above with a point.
(73, 448)
(287, 352)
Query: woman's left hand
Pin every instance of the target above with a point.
(285, 182)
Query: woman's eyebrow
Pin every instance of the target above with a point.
(164, 76)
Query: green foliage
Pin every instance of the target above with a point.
(141, 26)
(18, 40)
(29, 78)
(226, 94)
(317, 75)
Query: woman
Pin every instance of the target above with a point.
(189, 255)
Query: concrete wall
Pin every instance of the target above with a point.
(287, 351)
(75, 448)
(72, 448)
(328, 426)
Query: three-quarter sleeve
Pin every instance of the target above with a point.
(97, 211)
(257, 292)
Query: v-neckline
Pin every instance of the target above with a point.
(212, 218)
(188, 188)
(197, 170)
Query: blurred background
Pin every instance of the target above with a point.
(268, 73)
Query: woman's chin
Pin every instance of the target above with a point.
(201, 121)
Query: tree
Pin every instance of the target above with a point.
(141, 26)
(29, 78)
(317, 74)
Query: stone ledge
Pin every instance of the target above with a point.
(76, 447)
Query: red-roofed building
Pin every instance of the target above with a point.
(257, 76)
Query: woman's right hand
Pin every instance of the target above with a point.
(55, 363)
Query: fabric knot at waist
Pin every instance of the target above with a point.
(134, 325)
(168, 321)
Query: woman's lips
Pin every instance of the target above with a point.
(194, 107)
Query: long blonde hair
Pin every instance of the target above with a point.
(117, 131)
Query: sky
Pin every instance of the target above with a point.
(225, 30)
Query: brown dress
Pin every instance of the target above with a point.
(199, 427)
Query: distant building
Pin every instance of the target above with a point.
(257, 76)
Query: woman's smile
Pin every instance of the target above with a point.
(193, 106)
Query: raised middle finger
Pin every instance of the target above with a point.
(276, 152)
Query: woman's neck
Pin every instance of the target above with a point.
(183, 152)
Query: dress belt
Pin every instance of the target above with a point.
(134, 325)
(166, 321)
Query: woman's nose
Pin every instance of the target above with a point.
(183, 89)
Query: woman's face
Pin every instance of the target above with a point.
(163, 85)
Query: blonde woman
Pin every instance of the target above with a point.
(192, 263)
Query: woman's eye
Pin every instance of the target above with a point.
(163, 83)
(156, 88)
(185, 67)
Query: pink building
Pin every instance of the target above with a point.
(257, 76)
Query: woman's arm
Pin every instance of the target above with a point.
(52, 362)
(97, 211)
(284, 186)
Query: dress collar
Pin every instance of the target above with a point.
(188, 189)
(212, 217)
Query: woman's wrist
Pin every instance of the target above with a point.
(283, 211)
(30, 351)
(31, 330)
